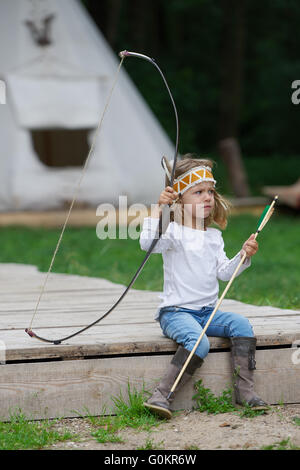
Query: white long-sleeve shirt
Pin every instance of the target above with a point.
(193, 261)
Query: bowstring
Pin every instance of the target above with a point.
(77, 189)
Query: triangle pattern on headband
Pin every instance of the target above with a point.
(192, 177)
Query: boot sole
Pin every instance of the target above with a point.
(255, 408)
(260, 407)
(159, 410)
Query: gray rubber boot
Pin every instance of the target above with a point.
(243, 364)
(160, 401)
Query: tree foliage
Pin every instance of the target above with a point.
(186, 38)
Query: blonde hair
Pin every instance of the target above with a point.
(221, 208)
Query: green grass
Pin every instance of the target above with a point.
(273, 278)
(296, 421)
(151, 445)
(207, 401)
(133, 413)
(107, 433)
(21, 434)
(126, 413)
(212, 404)
(285, 444)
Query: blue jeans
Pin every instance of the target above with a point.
(184, 326)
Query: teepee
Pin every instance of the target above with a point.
(58, 71)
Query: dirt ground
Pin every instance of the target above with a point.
(192, 430)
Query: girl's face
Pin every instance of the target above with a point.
(198, 201)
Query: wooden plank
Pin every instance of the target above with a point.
(131, 307)
(105, 340)
(76, 318)
(74, 301)
(66, 300)
(66, 388)
(126, 314)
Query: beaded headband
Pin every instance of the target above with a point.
(192, 177)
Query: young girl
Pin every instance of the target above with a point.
(194, 260)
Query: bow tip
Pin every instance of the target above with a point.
(123, 54)
(29, 332)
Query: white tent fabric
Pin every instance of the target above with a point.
(30, 98)
(65, 86)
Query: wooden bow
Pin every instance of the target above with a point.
(163, 219)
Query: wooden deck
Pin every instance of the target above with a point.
(46, 380)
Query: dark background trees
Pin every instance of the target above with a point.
(230, 65)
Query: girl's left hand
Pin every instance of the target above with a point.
(250, 246)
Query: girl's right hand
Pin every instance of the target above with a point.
(167, 196)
